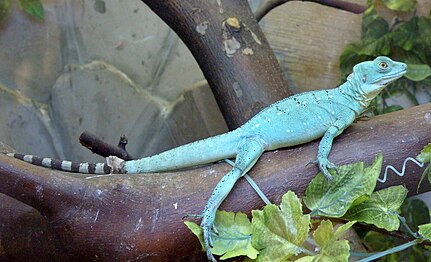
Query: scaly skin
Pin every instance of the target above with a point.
(295, 120)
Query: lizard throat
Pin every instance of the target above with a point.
(356, 93)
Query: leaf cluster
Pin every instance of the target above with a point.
(407, 41)
(33, 8)
(284, 233)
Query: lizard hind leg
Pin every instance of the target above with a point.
(249, 152)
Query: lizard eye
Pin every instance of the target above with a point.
(383, 65)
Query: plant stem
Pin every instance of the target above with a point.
(390, 251)
(404, 223)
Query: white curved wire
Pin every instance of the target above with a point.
(403, 169)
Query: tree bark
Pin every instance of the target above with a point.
(128, 217)
(233, 54)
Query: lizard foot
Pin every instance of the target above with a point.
(207, 227)
(324, 164)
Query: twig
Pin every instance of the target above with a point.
(339, 4)
(97, 146)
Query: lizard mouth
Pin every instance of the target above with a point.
(390, 78)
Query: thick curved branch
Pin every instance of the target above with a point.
(127, 217)
(268, 5)
(233, 53)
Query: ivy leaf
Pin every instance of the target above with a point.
(380, 209)
(418, 72)
(331, 249)
(325, 234)
(400, 5)
(373, 25)
(416, 213)
(279, 231)
(197, 230)
(405, 35)
(425, 157)
(423, 40)
(425, 154)
(426, 173)
(234, 235)
(33, 8)
(425, 231)
(4, 8)
(378, 241)
(352, 185)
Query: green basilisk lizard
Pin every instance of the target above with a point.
(294, 120)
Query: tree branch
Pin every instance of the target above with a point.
(98, 146)
(85, 213)
(268, 5)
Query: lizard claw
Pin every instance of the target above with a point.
(312, 162)
(324, 164)
(208, 242)
(210, 256)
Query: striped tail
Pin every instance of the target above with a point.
(63, 165)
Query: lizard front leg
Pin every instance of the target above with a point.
(248, 153)
(326, 145)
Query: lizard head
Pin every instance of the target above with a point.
(371, 77)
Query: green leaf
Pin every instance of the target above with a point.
(425, 231)
(425, 157)
(341, 229)
(381, 46)
(4, 8)
(337, 251)
(416, 213)
(380, 209)
(373, 25)
(279, 231)
(425, 154)
(423, 39)
(418, 72)
(426, 173)
(324, 233)
(197, 230)
(306, 259)
(33, 8)
(400, 5)
(234, 235)
(378, 242)
(352, 183)
(331, 249)
(405, 35)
